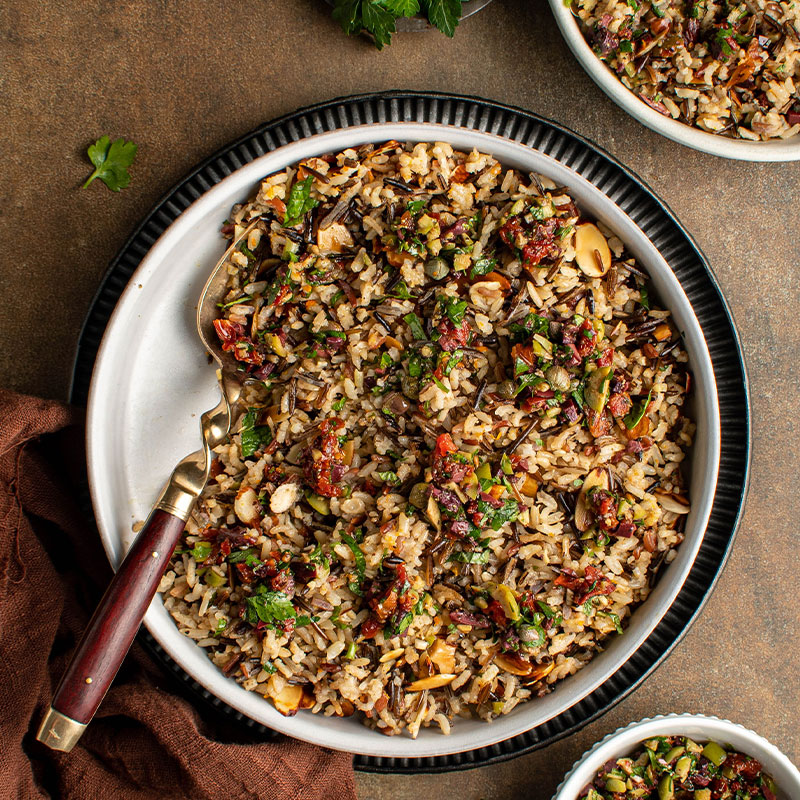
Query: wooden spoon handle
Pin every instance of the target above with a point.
(111, 631)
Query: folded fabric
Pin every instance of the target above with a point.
(146, 741)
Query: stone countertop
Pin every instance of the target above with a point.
(183, 79)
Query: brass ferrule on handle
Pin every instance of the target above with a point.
(59, 732)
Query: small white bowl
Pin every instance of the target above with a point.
(741, 149)
(625, 741)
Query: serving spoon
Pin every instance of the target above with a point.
(115, 622)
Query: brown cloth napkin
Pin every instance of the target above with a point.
(145, 742)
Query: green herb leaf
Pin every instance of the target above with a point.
(482, 266)
(389, 477)
(339, 404)
(644, 297)
(377, 21)
(348, 14)
(413, 322)
(201, 551)
(318, 557)
(404, 8)
(634, 416)
(269, 607)
(300, 202)
(221, 625)
(470, 557)
(443, 14)
(614, 618)
(454, 308)
(248, 556)
(111, 161)
(254, 437)
(400, 291)
(358, 555)
(414, 206)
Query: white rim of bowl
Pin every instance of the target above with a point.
(719, 723)
(505, 150)
(739, 149)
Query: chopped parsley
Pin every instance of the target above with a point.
(254, 437)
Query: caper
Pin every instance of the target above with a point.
(410, 386)
(437, 268)
(419, 495)
(714, 753)
(506, 389)
(558, 378)
(615, 785)
(666, 788)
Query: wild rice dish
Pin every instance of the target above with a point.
(457, 471)
(729, 68)
(678, 768)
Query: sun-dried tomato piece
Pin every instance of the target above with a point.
(453, 337)
(323, 462)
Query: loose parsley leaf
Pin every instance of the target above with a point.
(201, 551)
(482, 266)
(634, 416)
(299, 203)
(413, 322)
(471, 557)
(400, 291)
(454, 308)
(614, 618)
(444, 14)
(358, 555)
(414, 206)
(111, 161)
(339, 404)
(269, 607)
(254, 437)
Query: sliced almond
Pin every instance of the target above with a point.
(539, 672)
(433, 513)
(247, 507)
(529, 486)
(308, 700)
(431, 682)
(516, 665)
(397, 259)
(284, 497)
(443, 655)
(348, 709)
(672, 502)
(392, 655)
(348, 450)
(662, 332)
(288, 699)
(592, 252)
(334, 238)
(597, 477)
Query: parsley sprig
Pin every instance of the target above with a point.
(378, 17)
(111, 161)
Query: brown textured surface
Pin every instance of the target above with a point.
(182, 79)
